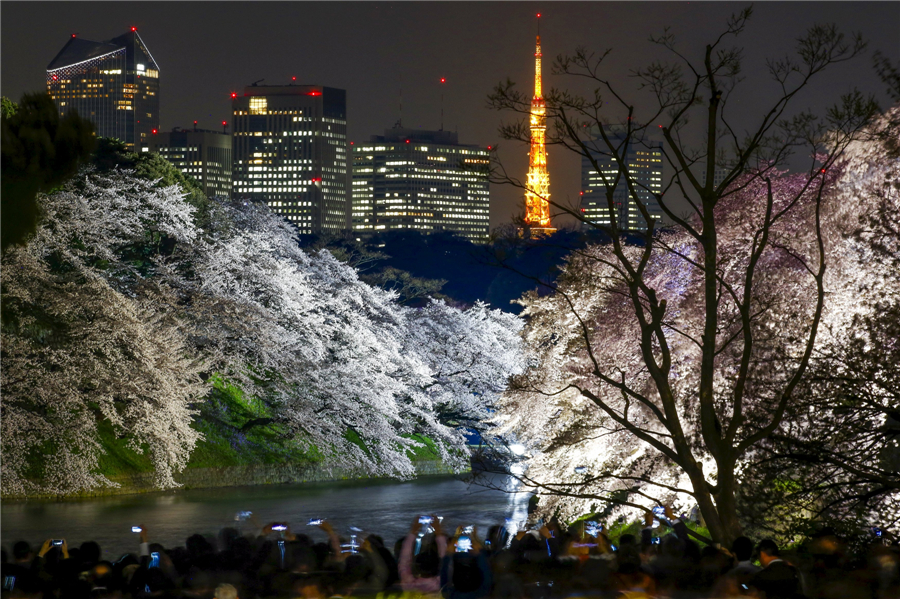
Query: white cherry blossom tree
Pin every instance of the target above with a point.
(122, 304)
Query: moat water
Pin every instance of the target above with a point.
(386, 508)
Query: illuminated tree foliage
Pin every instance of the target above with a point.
(122, 305)
(838, 458)
(665, 361)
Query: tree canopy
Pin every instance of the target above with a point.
(127, 300)
(40, 151)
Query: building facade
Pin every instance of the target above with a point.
(201, 154)
(644, 162)
(114, 84)
(290, 151)
(424, 180)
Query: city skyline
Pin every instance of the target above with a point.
(374, 49)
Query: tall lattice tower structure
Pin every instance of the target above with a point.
(537, 192)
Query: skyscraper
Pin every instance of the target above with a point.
(644, 161)
(290, 151)
(114, 84)
(204, 155)
(424, 180)
(537, 190)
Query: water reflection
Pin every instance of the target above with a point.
(384, 507)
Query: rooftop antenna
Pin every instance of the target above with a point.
(257, 81)
(443, 81)
(400, 120)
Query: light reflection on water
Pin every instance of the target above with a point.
(383, 507)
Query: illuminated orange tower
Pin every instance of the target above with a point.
(537, 190)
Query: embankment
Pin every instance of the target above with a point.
(239, 475)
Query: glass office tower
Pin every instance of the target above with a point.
(644, 161)
(202, 154)
(425, 180)
(114, 84)
(290, 151)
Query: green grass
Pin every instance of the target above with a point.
(220, 421)
(427, 452)
(223, 444)
(117, 458)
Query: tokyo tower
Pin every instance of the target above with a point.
(537, 190)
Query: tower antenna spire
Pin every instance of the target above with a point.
(537, 190)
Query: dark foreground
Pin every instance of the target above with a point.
(318, 562)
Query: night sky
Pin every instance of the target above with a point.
(206, 50)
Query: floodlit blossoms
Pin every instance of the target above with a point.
(591, 412)
(121, 307)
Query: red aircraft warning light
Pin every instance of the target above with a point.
(73, 35)
(155, 132)
(539, 15)
(293, 78)
(233, 95)
(443, 80)
(134, 28)
(314, 93)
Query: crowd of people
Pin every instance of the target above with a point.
(548, 562)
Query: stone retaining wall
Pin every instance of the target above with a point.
(254, 474)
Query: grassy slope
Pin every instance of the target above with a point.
(224, 444)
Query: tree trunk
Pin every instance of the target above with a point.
(726, 504)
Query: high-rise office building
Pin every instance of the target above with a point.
(290, 151)
(114, 84)
(719, 174)
(424, 180)
(201, 154)
(644, 161)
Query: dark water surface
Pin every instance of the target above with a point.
(382, 507)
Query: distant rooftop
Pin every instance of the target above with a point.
(401, 134)
(196, 130)
(79, 50)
